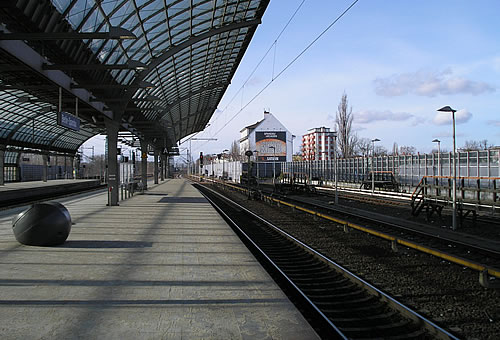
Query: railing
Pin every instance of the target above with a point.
(483, 195)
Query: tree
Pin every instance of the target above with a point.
(472, 145)
(346, 137)
(234, 151)
(407, 150)
(380, 150)
(363, 147)
(395, 149)
(297, 157)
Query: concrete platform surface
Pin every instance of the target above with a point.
(38, 184)
(163, 265)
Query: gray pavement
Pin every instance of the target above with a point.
(163, 265)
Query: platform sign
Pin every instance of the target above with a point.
(69, 121)
(271, 146)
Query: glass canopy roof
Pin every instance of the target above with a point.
(162, 83)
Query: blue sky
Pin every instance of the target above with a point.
(397, 61)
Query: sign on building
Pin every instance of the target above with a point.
(271, 146)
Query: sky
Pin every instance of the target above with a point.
(397, 61)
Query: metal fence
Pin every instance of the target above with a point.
(228, 170)
(407, 169)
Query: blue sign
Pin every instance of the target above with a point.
(69, 121)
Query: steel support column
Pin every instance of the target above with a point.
(144, 164)
(45, 161)
(113, 173)
(162, 167)
(2, 164)
(72, 163)
(167, 170)
(156, 166)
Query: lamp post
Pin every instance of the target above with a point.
(274, 164)
(454, 218)
(439, 155)
(335, 165)
(223, 153)
(257, 163)
(373, 156)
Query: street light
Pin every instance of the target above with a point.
(335, 165)
(223, 153)
(257, 163)
(274, 164)
(439, 155)
(373, 172)
(454, 219)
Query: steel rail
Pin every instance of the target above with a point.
(431, 327)
(482, 268)
(405, 242)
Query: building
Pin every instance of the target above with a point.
(318, 144)
(270, 139)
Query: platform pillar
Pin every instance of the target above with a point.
(65, 167)
(156, 166)
(144, 164)
(2, 164)
(113, 179)
(72, 164)
(45, 161)
(167, 166)
(162, 167)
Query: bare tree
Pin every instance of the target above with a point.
(407, 150)
(234, 151)
(380, 150)
(363, 146)
(473, 145)
(346, 137)
(297, 157)
(395, 149)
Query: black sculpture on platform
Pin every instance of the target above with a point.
(43, 224)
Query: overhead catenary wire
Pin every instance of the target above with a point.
(242, 87)
(287, 66)
(265, 55)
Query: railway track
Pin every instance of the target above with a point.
(483, 259)
(338, 303)
(30, 199)
(475, 256)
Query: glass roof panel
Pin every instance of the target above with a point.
(193, 47)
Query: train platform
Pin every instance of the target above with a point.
(162, 265)
(19, 191)
(17, 186)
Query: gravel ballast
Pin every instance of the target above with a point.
(446, 293)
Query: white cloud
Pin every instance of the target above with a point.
(444, 118)
(428, 83)
(494, 122)
(370, 116)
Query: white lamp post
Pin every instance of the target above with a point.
(439, 155)
(454, 219)
(223, 153)
(373, 171)
(274, 164)
(257, 163)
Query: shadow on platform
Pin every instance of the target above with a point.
(106, 244)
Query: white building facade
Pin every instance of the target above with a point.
(318, 144)
(268, 139)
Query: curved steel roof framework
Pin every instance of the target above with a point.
(158, 68)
